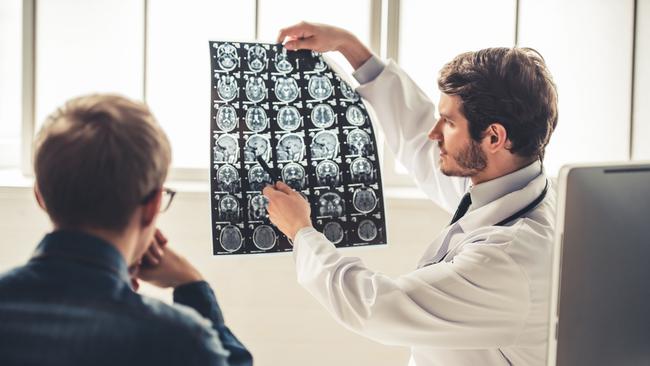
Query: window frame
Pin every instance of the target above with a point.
(384, 41)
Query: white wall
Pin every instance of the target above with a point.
(587, 45)
(262, 303)
(641, 128)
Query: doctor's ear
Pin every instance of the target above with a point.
(496, 137)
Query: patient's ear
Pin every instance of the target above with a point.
(39, 198)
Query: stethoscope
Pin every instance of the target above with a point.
(512, 217)
(526, 209)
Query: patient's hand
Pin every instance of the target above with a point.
(325, 38)
(151, 257)
(287, 209)
(163, 267)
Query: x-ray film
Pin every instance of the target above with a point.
(294, 112)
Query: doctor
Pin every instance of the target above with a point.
(480, 292)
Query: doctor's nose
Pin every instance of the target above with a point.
(435, 133)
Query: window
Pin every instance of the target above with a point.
(87, 47)
(177, 88)
(276, 14)
(178, 66)
(11, 14)
(587, 46)
(156, 51)
(432, 33)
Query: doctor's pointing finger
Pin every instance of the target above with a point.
(288, 210)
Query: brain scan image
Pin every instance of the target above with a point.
(327, 173)
(290, 148)
(367, 230)
(288, 118)
(330, 204)
(256, 119)
(320, 87)
(264, 237)
(354, 115)
(322, 116)
(359, 142)
(364, 200)
(226, 118)
(320, 64)
(293, 174)
(256, 58)
(348, 92)
(286, 89)
(257, 145)
(226, 150)
(325, 145)
(257, 207)
(230, 238)
(255, 89)
(227, 179)
(228, 208)
(361, 170)
(227, 56)
(282, 63)
(227, 87)
(333, 231)
(258, 178)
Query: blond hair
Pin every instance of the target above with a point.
(97, 158)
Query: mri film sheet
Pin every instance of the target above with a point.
(291, 109)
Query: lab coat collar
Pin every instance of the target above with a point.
(484, 193)
(509, 194)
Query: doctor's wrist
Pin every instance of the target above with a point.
(354, 50)
(297, 228)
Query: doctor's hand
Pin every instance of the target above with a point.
(325, 38)
(287, 209)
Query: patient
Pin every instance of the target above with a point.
(100, 163)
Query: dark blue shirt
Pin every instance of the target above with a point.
(72, 304)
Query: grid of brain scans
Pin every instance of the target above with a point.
(291, 110)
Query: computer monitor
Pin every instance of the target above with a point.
(600, 299)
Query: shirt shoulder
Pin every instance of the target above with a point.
(180, 328)
(179, 317)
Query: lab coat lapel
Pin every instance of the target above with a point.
(488, 215)
(431, 251)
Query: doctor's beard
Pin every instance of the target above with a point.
(469, 161)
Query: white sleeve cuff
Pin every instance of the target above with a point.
(300, 235)
(369, 70)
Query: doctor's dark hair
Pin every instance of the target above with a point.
(509, 86)
(96, 159)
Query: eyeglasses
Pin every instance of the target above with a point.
(167, 198)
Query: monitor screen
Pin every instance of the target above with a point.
(600, 303)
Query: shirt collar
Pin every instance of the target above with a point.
(519, 189)
(80, 247)
(489, 191)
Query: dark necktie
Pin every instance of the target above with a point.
(465, 202)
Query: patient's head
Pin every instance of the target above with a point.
(99, 161)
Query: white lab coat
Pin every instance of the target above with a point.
(486, 303)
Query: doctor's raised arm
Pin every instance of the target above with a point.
(405, 114)
(479, 294)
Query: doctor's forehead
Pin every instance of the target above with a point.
(449, 106)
